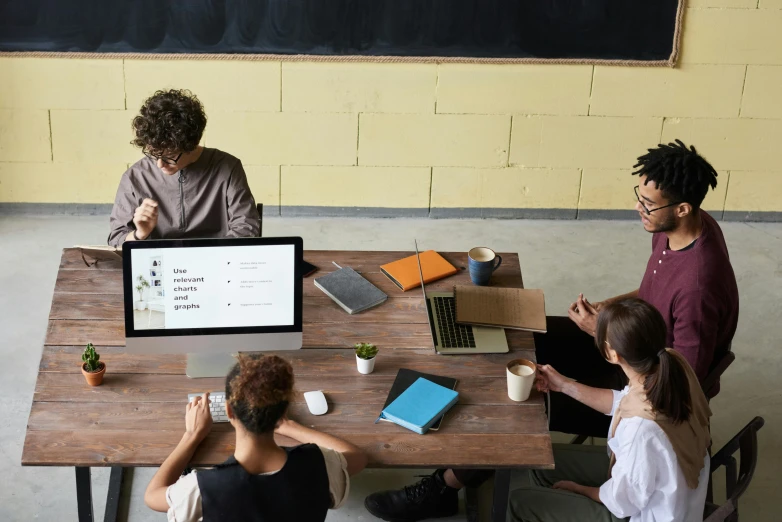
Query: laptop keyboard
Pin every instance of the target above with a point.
(452, 335)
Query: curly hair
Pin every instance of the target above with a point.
(259, 389)
(679, 172)
(170, 121)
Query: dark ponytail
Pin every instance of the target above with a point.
(636, 331)
(668, 389)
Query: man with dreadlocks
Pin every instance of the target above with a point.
(688, 279)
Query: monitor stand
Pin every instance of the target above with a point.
(209, 365)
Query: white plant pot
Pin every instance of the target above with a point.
(141, 305)
(365, 366)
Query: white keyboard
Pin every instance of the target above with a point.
(216, 405)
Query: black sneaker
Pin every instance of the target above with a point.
(428, 498)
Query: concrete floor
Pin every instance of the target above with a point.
(599, 258)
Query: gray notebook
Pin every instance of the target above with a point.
(350, 290)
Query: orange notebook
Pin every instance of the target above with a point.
(404, 273)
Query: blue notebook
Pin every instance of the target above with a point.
(419, 406)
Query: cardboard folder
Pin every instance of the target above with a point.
(517, 308)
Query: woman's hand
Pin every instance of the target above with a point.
(549, 379)
(286, 427)
(567, 485)
(589, 492)
(198, 419)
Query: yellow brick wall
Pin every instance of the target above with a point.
(421, 136)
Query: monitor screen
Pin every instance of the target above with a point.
(197, 287)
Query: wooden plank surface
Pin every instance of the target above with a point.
(342, 418)
(123, 387)
(332, 362)
(367, 261)
(400, 450)
(324, 335)
(136, 417)
(110, 282)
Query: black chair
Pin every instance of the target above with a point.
(736, 480)
(709, 383)
(259, 206)
(713, 378)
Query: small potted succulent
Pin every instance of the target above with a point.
(140, 287)
(365, 357)
(92, 367)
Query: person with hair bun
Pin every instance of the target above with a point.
(656, 466)
(180, 189)
(262, 481)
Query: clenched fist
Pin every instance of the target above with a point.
(145, 218)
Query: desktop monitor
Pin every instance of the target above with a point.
(211, 298)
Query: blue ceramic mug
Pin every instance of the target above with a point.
(482, 263)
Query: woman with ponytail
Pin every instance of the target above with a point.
(656, 465)
(262, 481)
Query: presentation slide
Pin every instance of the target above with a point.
(213, 287)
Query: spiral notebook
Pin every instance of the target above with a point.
(518, 308)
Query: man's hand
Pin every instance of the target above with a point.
(584, 315)
(145, 218)
(549, 379)
(198, 420)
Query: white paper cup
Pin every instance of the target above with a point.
(521, 376)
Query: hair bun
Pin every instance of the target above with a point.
(263, 380)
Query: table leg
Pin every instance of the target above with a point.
(84, 494)
(501, 492)
(115, 494)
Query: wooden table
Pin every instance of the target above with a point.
(136, 417)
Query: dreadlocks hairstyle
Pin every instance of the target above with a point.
(680, 172)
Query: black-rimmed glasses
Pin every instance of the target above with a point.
(649, 211)
(164, 159)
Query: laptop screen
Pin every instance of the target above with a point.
(426, 301)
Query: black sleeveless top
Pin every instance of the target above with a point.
(299, 492)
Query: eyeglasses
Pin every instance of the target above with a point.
(649, 211)
(164, 159)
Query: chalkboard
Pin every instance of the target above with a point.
(577, 30)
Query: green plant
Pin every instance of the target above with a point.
(142, 284)
(366, 350)
(91, 358)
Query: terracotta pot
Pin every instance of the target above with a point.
(94, 378)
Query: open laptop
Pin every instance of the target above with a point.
(450, 338)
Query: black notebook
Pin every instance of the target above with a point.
(406, 377)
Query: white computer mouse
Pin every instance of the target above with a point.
(316, 402)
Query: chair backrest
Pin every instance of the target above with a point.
(259, 206)
(711, 381)
(736, 480)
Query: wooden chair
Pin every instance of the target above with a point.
(736, 480)
(259, 206)
(709, 383)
